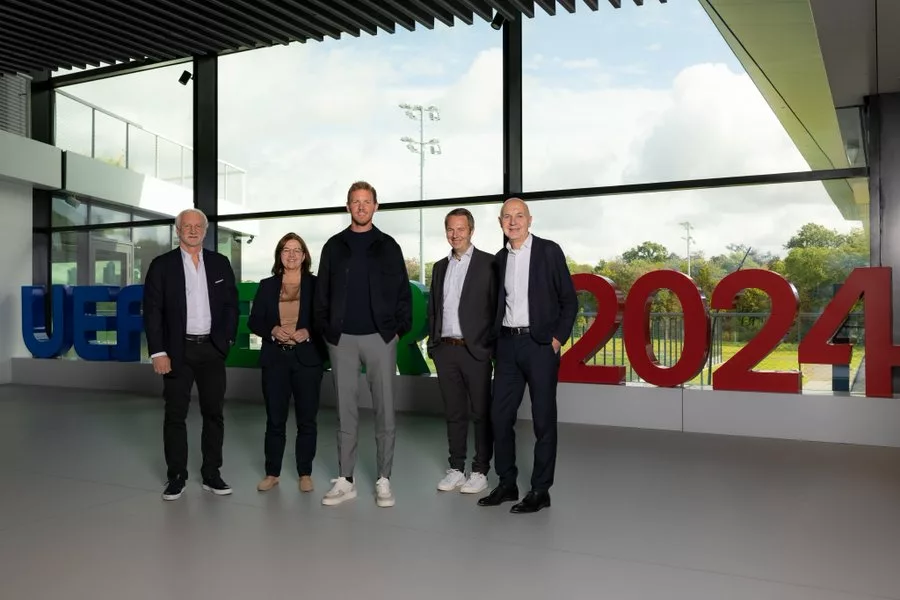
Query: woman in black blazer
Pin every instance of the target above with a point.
(292, 357)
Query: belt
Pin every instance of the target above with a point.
(286, 347)
(196, 339)
(515, 330)
(453, 341)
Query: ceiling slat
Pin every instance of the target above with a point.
(463, 14)
(418, 16)
(150, 28)
(249, 19)
(85, 26)
(113, 26)
(354, 7)
(164, 12)
(46, 35)
(397, 17)
(526, 7)
(37, 55)
(84, 49)
(310, 21)
(441, 12)
(502, 7)
(549, 6)
(325, 10)
(480, 8)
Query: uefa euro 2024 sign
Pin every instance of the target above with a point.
(76, 322)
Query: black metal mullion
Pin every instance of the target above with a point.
(512, 106)
(206, 142)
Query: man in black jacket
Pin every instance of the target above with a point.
(462, 305)
(536, 308)
(363, 306)
(190, 318)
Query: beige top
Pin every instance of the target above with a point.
(289, 307)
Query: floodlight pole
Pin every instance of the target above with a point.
(418, 111)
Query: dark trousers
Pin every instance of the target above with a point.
(284, 378)
(521, 360)
(205, 365)
(466, 389)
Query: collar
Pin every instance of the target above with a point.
(186, 256)
(526, 245)
(467, 254)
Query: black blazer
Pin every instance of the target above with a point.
(477, 304)
(165, 304)
(264, 316)
(388, 287)
(552, 302)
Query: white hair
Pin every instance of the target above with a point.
(191, 210)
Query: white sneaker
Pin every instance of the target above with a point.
(476, 484)
(452, 480)
(383, 495)
(342, 491)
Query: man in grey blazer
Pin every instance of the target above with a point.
(462, 305)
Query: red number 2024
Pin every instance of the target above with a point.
(871, 284)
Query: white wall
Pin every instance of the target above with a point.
(15, 269)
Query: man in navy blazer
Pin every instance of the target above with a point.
(190, 319)
(536, 308)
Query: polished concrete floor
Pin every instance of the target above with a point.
(636, 515)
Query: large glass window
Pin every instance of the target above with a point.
(141, 121)
(298, 124)
(642, 95)
(793, 229)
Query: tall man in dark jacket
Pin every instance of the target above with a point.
(536, 309)
(462, 306)
(362, 307)
(190, 318)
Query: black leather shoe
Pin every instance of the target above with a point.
(499, 495)
(532, 502)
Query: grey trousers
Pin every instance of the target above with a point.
(380, 360)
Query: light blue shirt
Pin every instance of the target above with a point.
(453, 285)
(515, 282)
(199, 318)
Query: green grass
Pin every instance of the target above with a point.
(782, 358)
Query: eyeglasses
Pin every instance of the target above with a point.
(287, 251)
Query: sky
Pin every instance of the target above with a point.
(639, 94)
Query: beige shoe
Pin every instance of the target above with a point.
(306, 484)
(267, 484)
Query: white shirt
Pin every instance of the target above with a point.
(453, 285)
(199, 318)
(515, 283)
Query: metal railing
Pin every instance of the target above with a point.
(183, 175)
(729, 332)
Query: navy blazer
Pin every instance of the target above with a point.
(165, 304)
(552, 301)
(265, 315)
